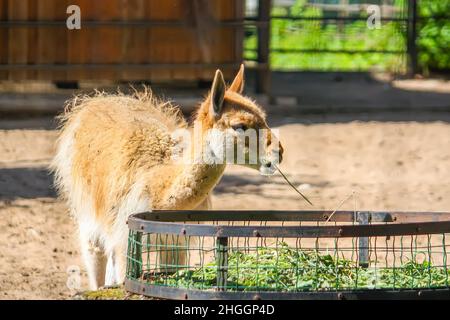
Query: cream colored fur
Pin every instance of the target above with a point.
(113, 159)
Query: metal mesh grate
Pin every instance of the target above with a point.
(324, 36)
(283, 263)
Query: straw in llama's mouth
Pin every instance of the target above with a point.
(292, 186)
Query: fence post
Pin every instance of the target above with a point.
(363, 247)
(263, 72)
(412, 37)
(136, 255)
(222, 262)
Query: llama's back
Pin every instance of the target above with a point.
(106, 143)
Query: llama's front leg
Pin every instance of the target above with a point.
(95, 262)
(110, 278)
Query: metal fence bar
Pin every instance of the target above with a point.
(290, 215)
(144, 223)
(373, 294)
(263, 74)
(116, 66)
(411, 37)
(222, 262)
(363, 255)
(281, 50)
(136, 255)
(300, 18)
(130, 23)
(384, 19)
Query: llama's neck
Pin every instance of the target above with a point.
(195, 179)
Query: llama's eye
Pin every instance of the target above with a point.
(239, 126)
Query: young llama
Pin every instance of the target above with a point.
(114, 158)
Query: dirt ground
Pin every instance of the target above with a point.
(388, 165)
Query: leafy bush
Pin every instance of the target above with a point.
(434, 35)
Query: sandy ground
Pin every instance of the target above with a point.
(388, 165)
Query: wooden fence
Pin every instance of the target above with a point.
(120, 39)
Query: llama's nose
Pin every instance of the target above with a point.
(267, 163)
(277, 154)
(274, 158)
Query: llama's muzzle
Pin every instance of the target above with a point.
(269, 164)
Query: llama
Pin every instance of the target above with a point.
(114, 159)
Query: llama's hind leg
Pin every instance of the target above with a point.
(95, 261)
(120, 263)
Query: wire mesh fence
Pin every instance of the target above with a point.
(381, 35)
(290, 256)
(324, 36)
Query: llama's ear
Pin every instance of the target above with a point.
(217, 94)
(238, 82)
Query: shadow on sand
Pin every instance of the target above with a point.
(28, 183)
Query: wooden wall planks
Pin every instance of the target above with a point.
(201, 42)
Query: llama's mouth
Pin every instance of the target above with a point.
(267, 169)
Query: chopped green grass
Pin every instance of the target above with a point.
(287, 269)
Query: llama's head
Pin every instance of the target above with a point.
(235, 127)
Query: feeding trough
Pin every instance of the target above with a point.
(288, 255)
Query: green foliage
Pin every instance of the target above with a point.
(433, 41)
(287, 269)
(434, 35)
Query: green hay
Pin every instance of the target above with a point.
(288, 269)
(107, 294)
